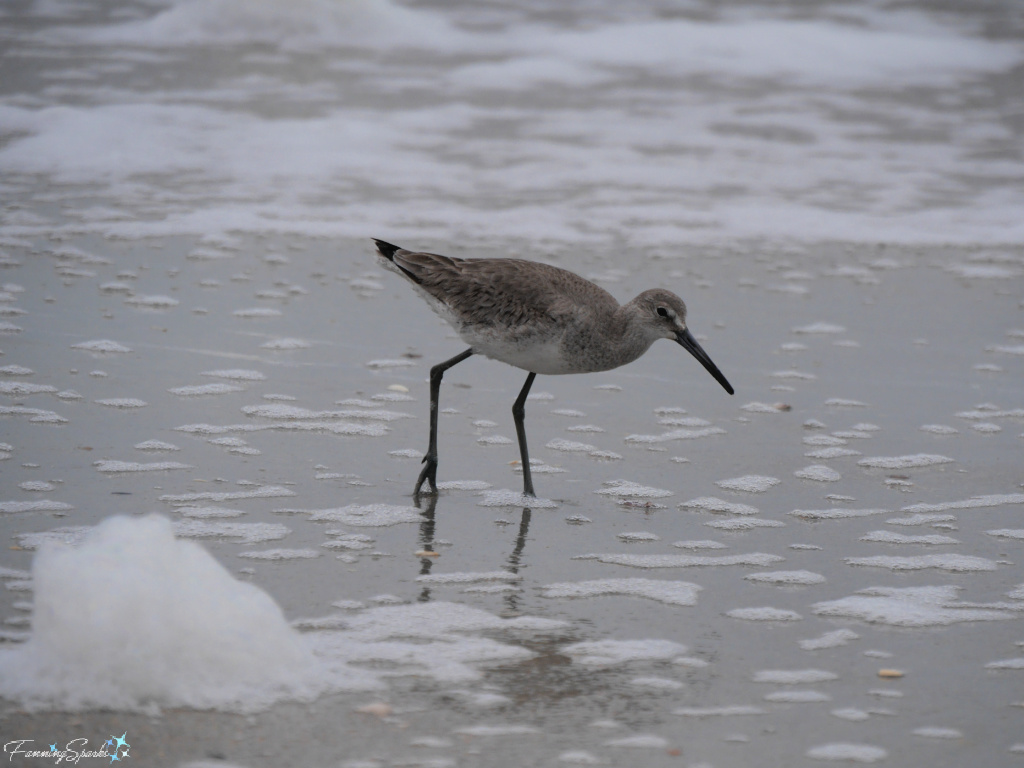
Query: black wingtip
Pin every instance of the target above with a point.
(386, 249)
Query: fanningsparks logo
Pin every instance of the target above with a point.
(115, 748)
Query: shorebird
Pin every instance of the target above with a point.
(536, 317)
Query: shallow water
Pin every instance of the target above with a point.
(186, 260)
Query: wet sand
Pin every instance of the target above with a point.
(894, 338)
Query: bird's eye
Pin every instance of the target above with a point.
(662, 311)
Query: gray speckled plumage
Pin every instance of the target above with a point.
(539, 318)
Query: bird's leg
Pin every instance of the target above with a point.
(429, 472)
(518, 412)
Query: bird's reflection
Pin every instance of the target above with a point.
(428, 554)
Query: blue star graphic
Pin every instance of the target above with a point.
(53, 747)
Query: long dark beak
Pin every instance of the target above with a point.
(686, 340)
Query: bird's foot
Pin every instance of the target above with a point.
(428, 475)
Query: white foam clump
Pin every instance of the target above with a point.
(794, 676)
(952, 563)
(852, 753)
(757, 559)
(668, 592)
(196, 637)
(362, 515)
(607, 652)
(818, 472)
(713, 504)
(904, 462)
(749, 483)
(102, 346)
(786, 578)
(891, 537)
(909, 607)
(199, 390)
(834, 639)
(111, 465)
(627, 488)
(764, 613)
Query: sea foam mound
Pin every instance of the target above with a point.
(135, 619)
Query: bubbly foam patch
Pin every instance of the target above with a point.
(749, 483)
(975, 502)
(713, 504)
(951, 563)
(247, 533)
(735, 710)
(668, 592)
(846, 752)
(786, 578)
(909, 607)
(794, 676)
(911, 461)
(111, 466)
(764, 613)
(836, 513)
(200, 390)
(606, 652)
(833, 639)
(818, 472)
(362, 515)
(891, 537)
(758, 559)
(629, 489)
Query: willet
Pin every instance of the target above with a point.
(536, 317)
